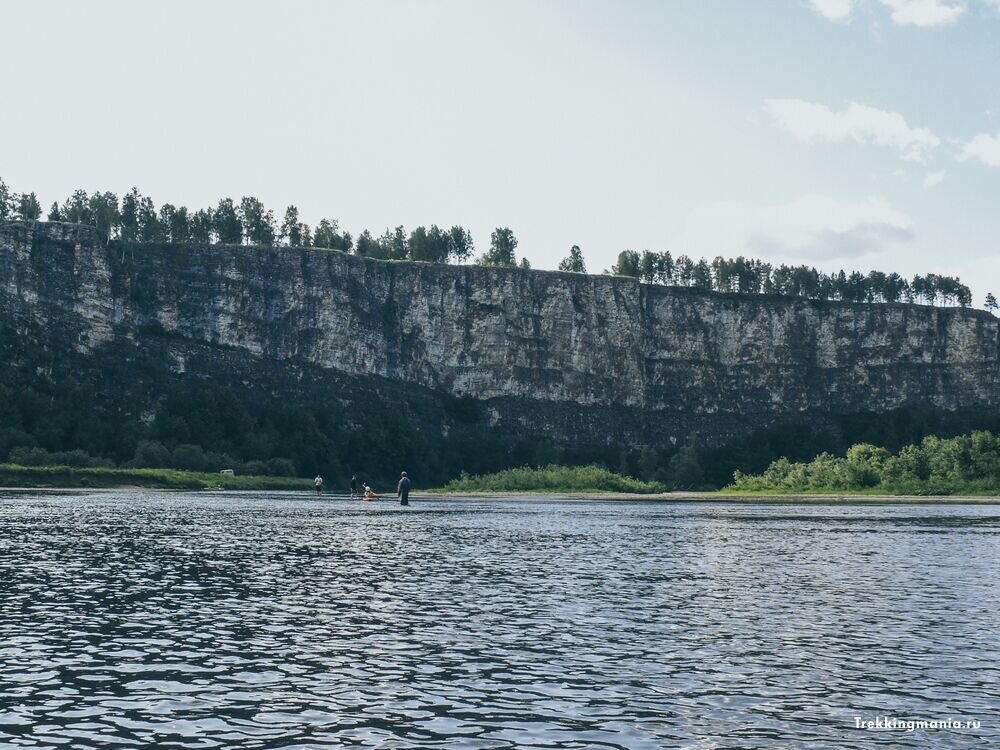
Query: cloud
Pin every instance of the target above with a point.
(835, 10)
(933, 178)
(812, 123)
(811, 229)
(984, 147)
(924, 13)
(919, 13)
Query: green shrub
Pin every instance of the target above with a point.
(935, 466)
(552, 479)
(150, 454)
(280, 467)
(189, 457)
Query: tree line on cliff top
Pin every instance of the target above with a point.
(136, 218)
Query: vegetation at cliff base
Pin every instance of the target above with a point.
(552, 479)
(15, 475)
(967, 464)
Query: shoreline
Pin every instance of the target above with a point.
(735, 498)
(534, 496)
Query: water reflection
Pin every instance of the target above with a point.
(253, 621)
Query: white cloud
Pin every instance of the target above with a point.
(920, 13)
(933, 178)
(812, 228)
(924, 13)
(835, 10)
(984, 147)
(811, 122)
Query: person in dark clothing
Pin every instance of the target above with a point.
(354, 486)
(403, 489)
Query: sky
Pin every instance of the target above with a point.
(858, 134)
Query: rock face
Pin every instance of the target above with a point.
(579, 359)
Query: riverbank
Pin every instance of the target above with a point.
(14, 477)
(749, 498)
(71, 477)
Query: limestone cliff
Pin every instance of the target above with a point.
(577, 358)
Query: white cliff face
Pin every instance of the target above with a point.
(536, 337)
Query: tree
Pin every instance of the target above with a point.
(503, 243)
(701, 276)
(151, 229)
(684, 471)
(669, 270)
(104, 213)
(627, 265)
(895, 287)
(226, 223)
(76, 209)
(200, 225)
(325, 233)
(328, 235)
(420, 246)
(430, 245)
(54, 213)
(647, 266)
(393, 245)
(189, 457)
(684, 270)
(129, 231)
(525, 264)
(6, 201)
(991, 302)
(290, 232)
(258, 222)
(28, 207)
(176, 222)
(151, 453)
(367, 246)
(573, 262)
(460, 245)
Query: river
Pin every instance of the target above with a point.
(269, 620)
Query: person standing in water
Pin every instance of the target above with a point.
(403, 489)
(354, 486)
(318, 484)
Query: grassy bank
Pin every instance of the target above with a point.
(14, 475)
(550, 479)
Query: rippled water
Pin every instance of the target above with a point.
(199, 621)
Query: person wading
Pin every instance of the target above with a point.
(354, 486)
(318, 484)
(403, 489)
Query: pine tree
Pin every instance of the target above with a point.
(28, 207)
(503, 243)
(573, 263)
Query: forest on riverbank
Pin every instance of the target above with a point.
(965, 464)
